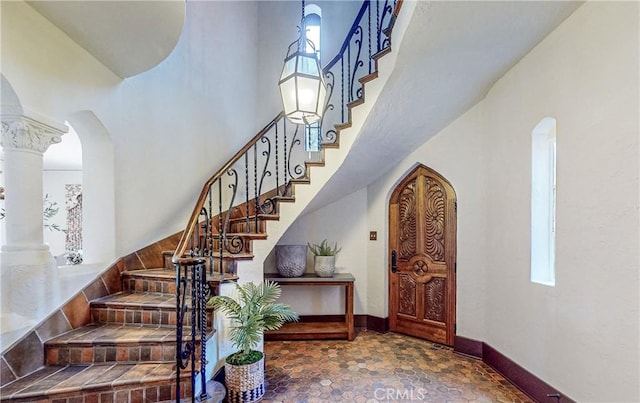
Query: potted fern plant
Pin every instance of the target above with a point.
(325, 258)
(251, 313)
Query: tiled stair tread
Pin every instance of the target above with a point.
(236, 256)
(100, 333)
(162, 273)
(57, 380)
(158, 273)
(253, 218)
(246, 235)
(137, 299)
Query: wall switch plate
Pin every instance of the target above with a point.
(373, 235)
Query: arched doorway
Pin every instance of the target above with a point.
(62, 187)
(422, 249)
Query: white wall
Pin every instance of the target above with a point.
(342, 222)
(457, 153)
(171, 127)
(581, 335)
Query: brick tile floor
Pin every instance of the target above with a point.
(378, 367)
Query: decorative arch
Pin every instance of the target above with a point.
(98, 222)
(10, 101)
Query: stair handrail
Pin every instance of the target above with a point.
(181, 249)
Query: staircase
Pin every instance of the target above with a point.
(116, 340)
(126, 354)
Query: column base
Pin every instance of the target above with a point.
(26, 255)
(26, 274)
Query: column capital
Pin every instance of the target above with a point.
(21, 132)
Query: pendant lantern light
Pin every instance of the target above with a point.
(302, 85)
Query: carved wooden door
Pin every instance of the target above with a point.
(422, 256)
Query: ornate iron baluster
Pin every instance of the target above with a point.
(387, 10)
(266, 207)
(298, 170)
(349, 85)
(330, 136)
(210, 231)
(378, 25)
(246, 191)
(276, 169)
(201, 303)
(191, 271)
(255, 179)
(285, 156)
(234, 246)
(220, 225)
(358, 63)
(342, 88)
(369, 32)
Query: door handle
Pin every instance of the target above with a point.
(394, 261)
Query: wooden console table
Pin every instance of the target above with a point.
(317, 330)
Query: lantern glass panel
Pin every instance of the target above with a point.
(288, 92)
(308, 64)
(322, 95)
(289, 68)
(307, 94)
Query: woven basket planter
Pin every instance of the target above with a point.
(245, 383)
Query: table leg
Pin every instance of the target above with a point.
(349, 311)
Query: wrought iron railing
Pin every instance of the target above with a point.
(244, 193)
(367, 37)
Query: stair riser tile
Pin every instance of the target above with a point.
(100, 354)
(138, 394)
(145, 285)
(241, 226)
(137, 316)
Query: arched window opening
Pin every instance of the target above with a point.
(543, 202)
(312, 22)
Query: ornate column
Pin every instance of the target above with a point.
(24, 140)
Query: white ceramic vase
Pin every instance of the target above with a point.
(325, 266)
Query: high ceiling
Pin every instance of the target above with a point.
(129, 37)
(451, 55)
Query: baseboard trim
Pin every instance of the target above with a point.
(468, 347)
(377, 324)
(321, 318)
(524, 380)
(367, 322)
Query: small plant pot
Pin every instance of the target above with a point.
(325, 266)
(291, 260)
(245, 383)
